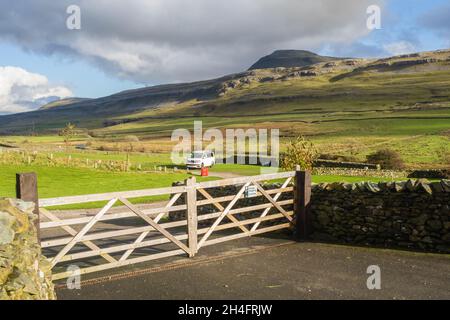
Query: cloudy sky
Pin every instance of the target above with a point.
(133, 43)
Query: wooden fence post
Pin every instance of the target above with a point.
(302, 204)
(26, 190)
(191, 215)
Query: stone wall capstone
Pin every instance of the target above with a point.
(390, 174)
(25, 274)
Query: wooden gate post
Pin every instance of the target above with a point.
(191, 215)
(26, 190)
(302, 204)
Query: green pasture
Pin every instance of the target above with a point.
(60, 181)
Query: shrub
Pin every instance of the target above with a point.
(387, 159)
(68, 132)
(299, 152)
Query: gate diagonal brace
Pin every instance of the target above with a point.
(280, 208)
(221, 208)
(83, 231)
(145, 233)
(275, 198)
(155, 225)
(224, 213)
(73, 233)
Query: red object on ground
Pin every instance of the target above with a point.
(204, 172)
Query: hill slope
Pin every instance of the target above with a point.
(341, 96)
(62, 102)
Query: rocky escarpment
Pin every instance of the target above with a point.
(436, 60)
(407, 60)
(24, 273)
(257, 76)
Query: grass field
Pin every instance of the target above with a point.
(59, 182)
(55, 181)
(422, 144)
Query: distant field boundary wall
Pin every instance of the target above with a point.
(345, 172)
(429, 174)
(343, 164)
(266, 160)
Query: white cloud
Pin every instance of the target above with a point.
(399, 48)
(156, 41)
(22, 91)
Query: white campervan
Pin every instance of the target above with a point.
(200, 159)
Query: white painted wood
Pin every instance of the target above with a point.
(243, 180)
(276, 204)
(145, 233)
(73, 233)
(113, 216)
(108, 196)
(118, 233)
(241, 235)
(159, 241)
(221, 208)
(223, 214)
(161, 230)
(82, 232)
(228, 198)
(275, 198)
(153, 216)
(191, 215)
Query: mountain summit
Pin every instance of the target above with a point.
(290, 59)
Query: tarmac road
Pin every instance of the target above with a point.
(258, 268)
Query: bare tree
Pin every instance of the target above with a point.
(68, 133)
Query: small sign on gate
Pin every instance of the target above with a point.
(250, 192)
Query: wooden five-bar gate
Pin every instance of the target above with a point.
(117, 236)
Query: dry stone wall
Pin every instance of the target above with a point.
(24, 273)
(411, 214)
